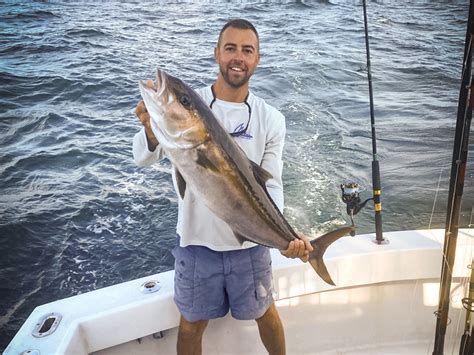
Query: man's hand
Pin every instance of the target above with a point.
(144, 118)
(298, 248)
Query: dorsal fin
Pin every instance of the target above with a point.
(261, 175)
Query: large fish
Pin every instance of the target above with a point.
(209, 161)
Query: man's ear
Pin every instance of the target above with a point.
(216, 54)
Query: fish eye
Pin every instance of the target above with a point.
(185, 101)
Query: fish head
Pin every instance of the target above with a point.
(175, 111)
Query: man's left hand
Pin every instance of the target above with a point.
(298, 248)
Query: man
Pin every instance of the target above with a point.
(213, 272)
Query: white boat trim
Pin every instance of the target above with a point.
(121, 313)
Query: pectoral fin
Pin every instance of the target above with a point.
(180, 182)
(241, 238)
(204, 161)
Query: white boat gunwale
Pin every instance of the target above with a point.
(117, 314)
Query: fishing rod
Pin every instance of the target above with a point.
(467, 341)
(456, 185)
(377, 190)
(350, 191)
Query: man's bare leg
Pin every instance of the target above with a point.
(271, 331)
(190, 337)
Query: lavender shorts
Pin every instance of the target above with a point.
(208, 283)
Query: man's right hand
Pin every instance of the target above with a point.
(298, 248)
(144, 118)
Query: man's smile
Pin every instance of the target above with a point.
(237, 69)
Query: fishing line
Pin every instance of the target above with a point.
(470, 220)
(412, 305)
(436, 197)
(443, 255)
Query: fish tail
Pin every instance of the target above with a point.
(320, 245)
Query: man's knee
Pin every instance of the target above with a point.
(191, 330)
(271, 314)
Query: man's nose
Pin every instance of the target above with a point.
(239, 55)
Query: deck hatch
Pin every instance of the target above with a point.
(47, 325)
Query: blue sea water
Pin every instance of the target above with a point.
(76, 214)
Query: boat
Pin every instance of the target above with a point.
(384, 303)
(387, 300)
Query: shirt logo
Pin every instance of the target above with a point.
(240, 131)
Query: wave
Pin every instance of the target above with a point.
(27, 90)
(85, 33)
(32, 48)
(32, 15)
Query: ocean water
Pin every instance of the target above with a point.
(76, 214)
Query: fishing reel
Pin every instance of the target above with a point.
(350, 196)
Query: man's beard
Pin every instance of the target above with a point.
(234, 83)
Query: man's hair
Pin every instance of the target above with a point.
(240, 24)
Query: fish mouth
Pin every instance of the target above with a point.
(154, 95)
(155, 88)
(160, 82)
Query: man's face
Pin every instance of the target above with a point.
(237, 56)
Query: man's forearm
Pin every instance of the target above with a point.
(145, 152)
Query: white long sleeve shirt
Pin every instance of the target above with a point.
(262, 143)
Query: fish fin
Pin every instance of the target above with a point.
(241, 238)
(318, 265)
(320, 245)
(181, 183)
(260, 174)
(204, 161)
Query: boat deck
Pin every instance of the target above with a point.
(149, 345)
(384, 303)
(387, 318)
